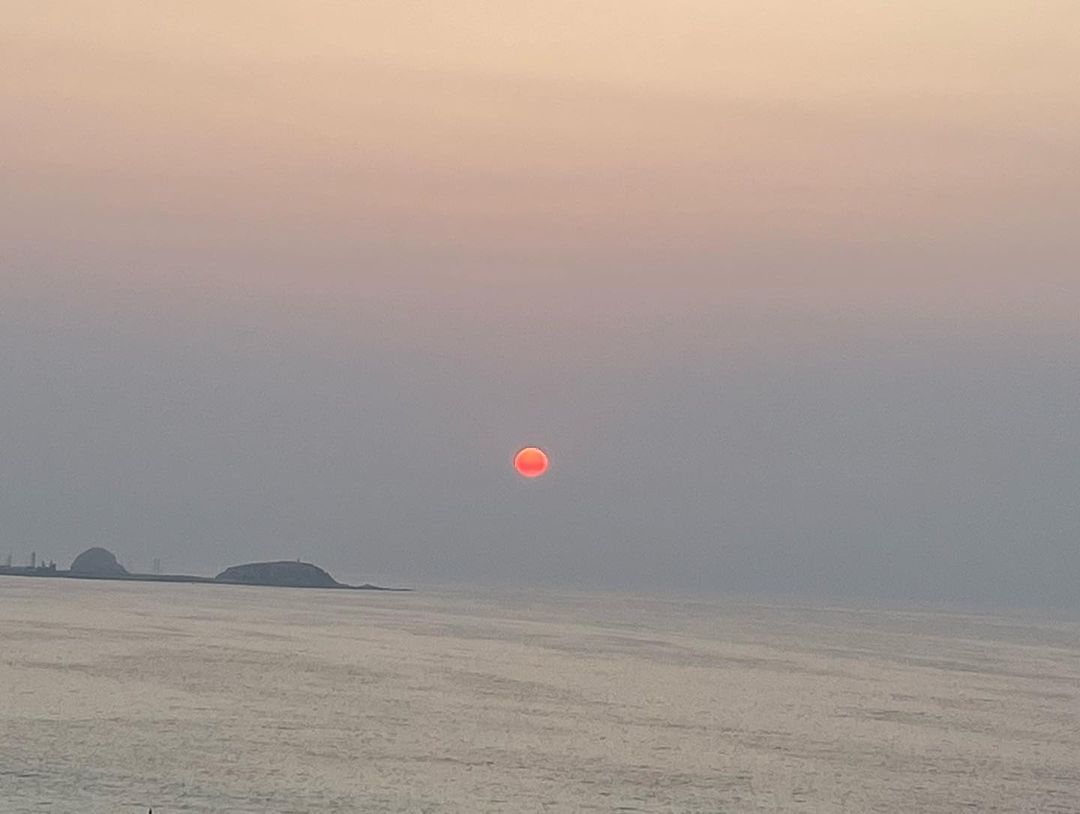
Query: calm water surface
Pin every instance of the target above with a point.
(119, 696)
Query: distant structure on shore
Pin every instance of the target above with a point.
(98, 562)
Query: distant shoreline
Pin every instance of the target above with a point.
(46, 573)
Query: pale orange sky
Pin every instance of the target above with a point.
(725, 143)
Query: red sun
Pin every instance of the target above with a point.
(531, 462)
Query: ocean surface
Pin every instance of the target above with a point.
(115, 697)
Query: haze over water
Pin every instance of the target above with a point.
(121, 696)
(788, 292)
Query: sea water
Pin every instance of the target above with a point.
(118, 697)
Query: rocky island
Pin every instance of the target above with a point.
(100, 563)
(283, 572)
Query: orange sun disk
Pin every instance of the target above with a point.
(531, 462)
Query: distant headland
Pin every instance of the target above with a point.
(283, 572)
(100, 563)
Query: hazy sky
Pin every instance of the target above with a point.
(789, 291)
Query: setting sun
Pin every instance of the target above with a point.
(531, 462)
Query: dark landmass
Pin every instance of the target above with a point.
(282, 572)
(99, 563)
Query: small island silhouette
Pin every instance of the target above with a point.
(100, 563)
(282, 572)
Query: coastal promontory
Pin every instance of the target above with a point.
(98, 562)
(288, 573)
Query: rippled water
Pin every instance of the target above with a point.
(119, 696)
